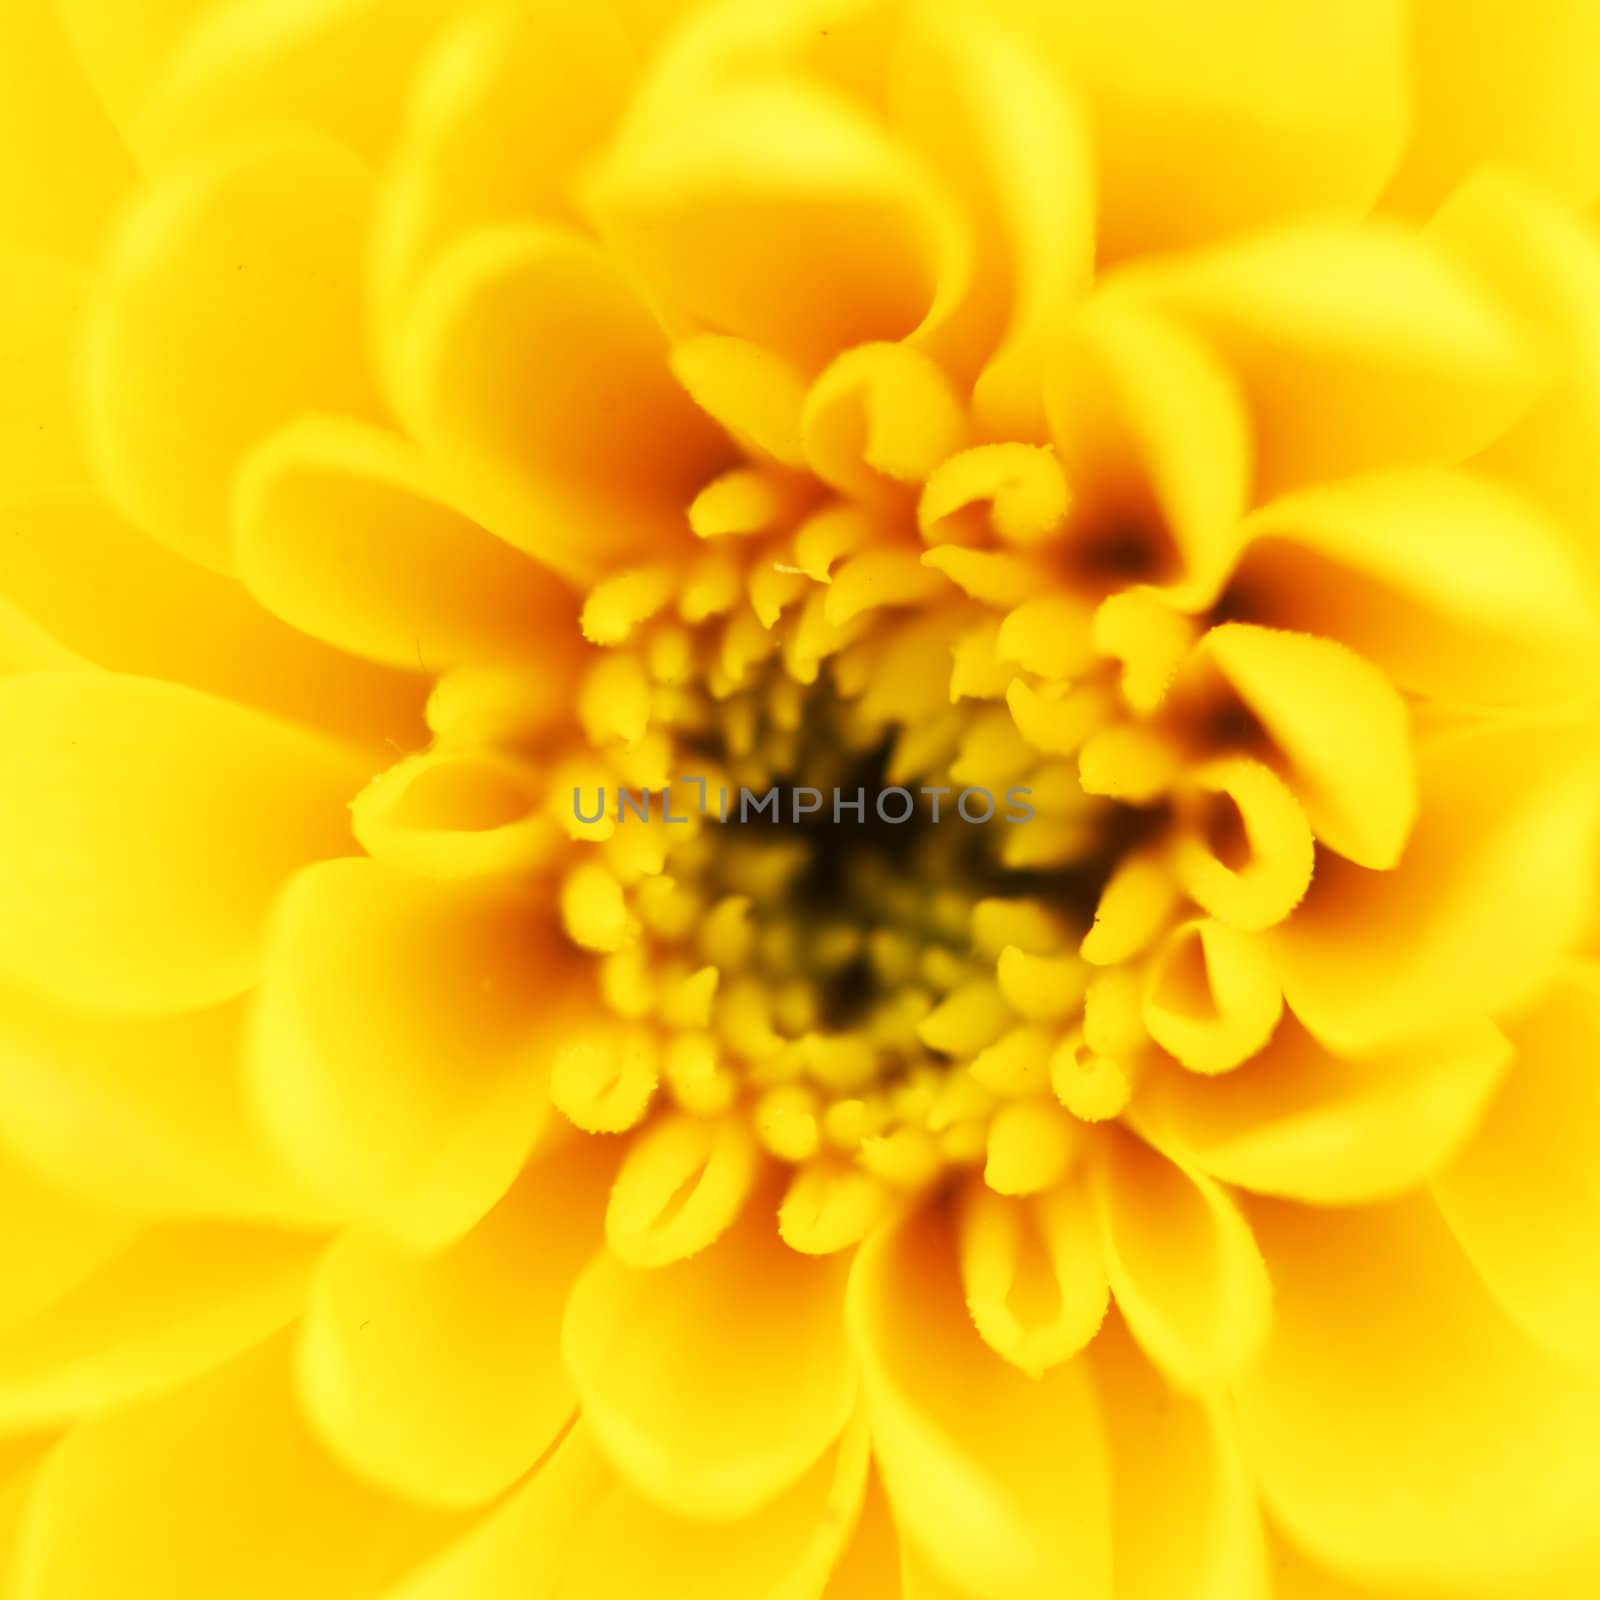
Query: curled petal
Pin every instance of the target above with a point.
(1034, 1278)
(1340, 725)
(1212, 997)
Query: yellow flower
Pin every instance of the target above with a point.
(799, 799)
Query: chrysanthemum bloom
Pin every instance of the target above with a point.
(432, 433)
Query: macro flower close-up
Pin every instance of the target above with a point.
(799, 800)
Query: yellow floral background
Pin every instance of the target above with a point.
(415, 414)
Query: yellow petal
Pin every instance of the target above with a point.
(231, 300)
(714, 1383)
(155, 613)
(175, 1301)
(1340, 725)
(148, 1115)
(149, 828)
(215, 1476)
(1156, 443)
(1357, 348)
(1212, 998)
(1452, 584)
(264, 63)
(1244, 850)
(41, 310)
(440, 1376)
(1457, 1454)
(1509, 85)
(576, 1530)
(681, 1185)
(879, 415)
(60, 204)
(1495, 886)
(124, 53)
(1523, 1197)
(592, 465)
(462, 813)
(68, 1238)
(1544, 261)
(397, 1056)
(1183, 1264)
(776, 212)
(339, 533)
(1304, 107)
(1185, 1519)
(1300, 1123)
(547, 83)
(998, 125)
(999, 1480)
(757, 396)
(1034, 1278)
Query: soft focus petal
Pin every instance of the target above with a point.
(150, 611)
(593, 463)
(1298, 1122)
(66, 1240)
(230, 301)
(1003, 129)
(1401, 1427)
(999, 1481)
(778, 213)
(1357, 348)
(41, 310)
(269, 63)
(546, 82)
(1523, 1198)
(1156, 445)
(148, 1115)
(1509, 83)
(217, 1476)
(1302, 108)
(1184, 1268)
(1496, 884)
(1341, 726)
(576, 1530)
(1184, 1509)
(396, 1054)
(340, 534)
(149, 827)
(175, 1301)
(49, 115)
(440, 1376)
(713, 1383)
(1454, 585)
